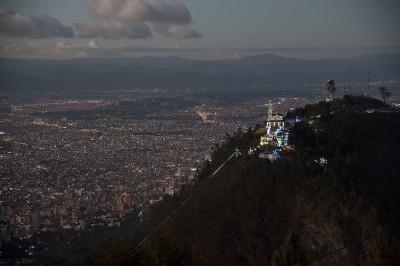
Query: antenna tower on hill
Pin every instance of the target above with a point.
(350, 92)
(369, 84)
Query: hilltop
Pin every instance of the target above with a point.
(342, 210)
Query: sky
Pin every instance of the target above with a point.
(198, 29)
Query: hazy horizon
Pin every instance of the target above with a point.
(54, 29)
(211, 59)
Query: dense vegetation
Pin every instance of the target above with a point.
(332, 201)
(296, 210)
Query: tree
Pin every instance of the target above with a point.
(120, 252)
(165, 248)
(381, 250)
(385, 94)
(331, 88)
(290, 253)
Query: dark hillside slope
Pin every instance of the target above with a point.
(295, 209)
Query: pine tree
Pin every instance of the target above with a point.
(121, 252)
(290, 253)
(385, 94)
(381, 250)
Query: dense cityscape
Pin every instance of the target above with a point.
(78, 164)
(169, 132)
(83, 163)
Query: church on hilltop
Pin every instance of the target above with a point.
(274, 120)
(277, 129)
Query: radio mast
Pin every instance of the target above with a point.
(369, 84)
(350, 92)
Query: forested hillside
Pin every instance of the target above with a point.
(332, 201)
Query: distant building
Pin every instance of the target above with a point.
(274, 120)
(170, 191)
(277, 129)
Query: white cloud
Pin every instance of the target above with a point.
(14, 24)
(87, 46)
(110, 29)
(91, 48)
(114, 19)
(181, 32)
(59, 50)
(92, 44)
(156, 11)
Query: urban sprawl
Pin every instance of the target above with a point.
(75, 164)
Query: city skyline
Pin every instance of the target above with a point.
(309, 29)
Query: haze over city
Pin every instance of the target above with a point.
(310, 29)
(188, 132)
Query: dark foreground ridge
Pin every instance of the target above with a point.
(332, 201)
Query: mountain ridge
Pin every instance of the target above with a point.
(295, 210)
(242, 215)
(162, 72)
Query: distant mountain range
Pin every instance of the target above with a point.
(174, 72)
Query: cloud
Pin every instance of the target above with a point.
(140, 49)
(135, 19)
(14, 49)
(92, 44)
(313, 48)
(87, 49)
(14, 24)
(91, 48)
(156, 11)
(59, 50)
(73, 46)
(112, 19)
(181, 32)
(113, 30)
